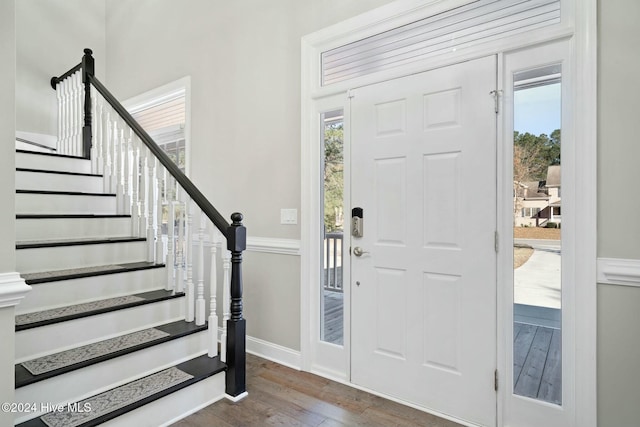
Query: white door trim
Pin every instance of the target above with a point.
(579, 19)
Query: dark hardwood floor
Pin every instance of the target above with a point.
(280, 396)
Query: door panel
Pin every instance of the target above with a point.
(424, 291)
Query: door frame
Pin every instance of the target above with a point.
(579, 18)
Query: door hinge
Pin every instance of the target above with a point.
(496, 98)
(495, 380)
(496, 240)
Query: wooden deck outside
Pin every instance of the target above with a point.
(537, 362)
(537, 367)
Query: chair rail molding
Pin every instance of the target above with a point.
(12, 289)
(617, 271)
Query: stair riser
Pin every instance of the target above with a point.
(76, 291)
(70, 228)
(78, 384)
(54, 163)
(64, 204)
(63, 257)
(174, 407)
(30, 147)
(61, 336)
(58, 182)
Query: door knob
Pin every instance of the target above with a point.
(357, 251)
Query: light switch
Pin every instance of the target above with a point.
(288, 216)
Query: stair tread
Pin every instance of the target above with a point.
(77, 311)
(34, 244)
(69, 216)
(67, 156)
(58, 172)
(120, 400)
(49, 366)
(78, 273)
(65, 193)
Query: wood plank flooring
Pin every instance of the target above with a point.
(333, 330)
(537, 368)
(281, 396)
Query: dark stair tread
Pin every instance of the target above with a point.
(175, 330)
(70, 216)
(138, 300)
(65, 193)
(58, 172)
(67, 156)
(35, 244)
(79, 273)
(201, 368)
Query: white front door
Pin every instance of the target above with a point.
(423, 156)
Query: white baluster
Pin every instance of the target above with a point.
(200, 305)
(226, 302)
(76, 115)
(213, 289)
(180, 249)
(60, 117)
(125, 162)
(142, 190)
(106, 150)
(80, 113)
(65, 116)
(151, 188)
(160, 173)
(171, 207)
(115, 168)
(189, 258)
(135, 183)
(97, 133)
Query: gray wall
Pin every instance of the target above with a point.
(7, 193)
(50, 37)
(244, 63)
(618, 207)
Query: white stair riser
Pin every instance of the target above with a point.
(27, 203)
(58, 182)
(76, 291)
(63, 257)
(175, 406)
(30, 147)
(70, 228)
(54, 163)
(85, 382)
(49, 339)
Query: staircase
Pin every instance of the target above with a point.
(115, 329)
(98, 327)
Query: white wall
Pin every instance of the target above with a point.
(244, 62)
(7, 193)
(50, 37)
(618, 207)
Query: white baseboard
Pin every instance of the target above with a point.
(274, 352)
(12, 289)
(616, 271)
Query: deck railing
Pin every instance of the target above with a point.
(151, 188)
(333, 246)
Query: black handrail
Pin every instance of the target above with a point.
(158, 152)
(56, 80)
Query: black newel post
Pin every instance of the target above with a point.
(236, 325)
(88, 69)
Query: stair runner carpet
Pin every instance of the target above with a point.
(73, 356)
(117, 398)
(39, 316)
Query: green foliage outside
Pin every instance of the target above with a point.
(534, 154)
(333, 176)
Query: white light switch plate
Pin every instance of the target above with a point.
(288, 216)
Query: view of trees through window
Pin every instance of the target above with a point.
(333, 176)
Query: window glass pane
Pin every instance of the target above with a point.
(537, 221)
(332, 298)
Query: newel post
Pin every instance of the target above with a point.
(236, 325)
(88, 69)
